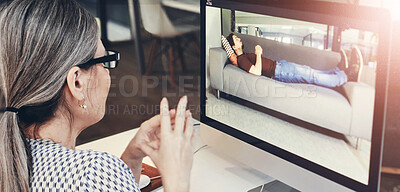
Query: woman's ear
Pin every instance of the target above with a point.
(77, 80)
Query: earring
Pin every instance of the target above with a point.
(84, 106)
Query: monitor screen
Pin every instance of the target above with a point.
(305, 82)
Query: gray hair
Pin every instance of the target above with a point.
(40, 40)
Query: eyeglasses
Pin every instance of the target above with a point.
(109, 60)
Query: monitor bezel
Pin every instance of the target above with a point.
(319, 12)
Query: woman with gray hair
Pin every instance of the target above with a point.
(55, 78)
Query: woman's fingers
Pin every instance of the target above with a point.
(155, 121)
(172, 112)
(149, 151)
(188, 113)
(180, 115)
(176, 120)
(189, 127)
(154, 144)
(173, 118)
(173, 151)
(165, 117)
(193, 139)
(152, 122)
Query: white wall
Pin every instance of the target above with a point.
(213, 35)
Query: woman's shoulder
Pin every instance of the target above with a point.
(89, 169)
(45, 148)
(51, 152)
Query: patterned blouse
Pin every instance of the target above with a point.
(56, 168)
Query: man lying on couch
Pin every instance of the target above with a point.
(285, 71)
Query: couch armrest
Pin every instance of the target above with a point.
(218, 58)
(361, 98)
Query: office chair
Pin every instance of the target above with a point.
(158, 24)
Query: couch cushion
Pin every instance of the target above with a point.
(315, 58)
(318, 105)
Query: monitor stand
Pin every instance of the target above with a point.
(274, 186)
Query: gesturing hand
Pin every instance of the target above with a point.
(149, 132)
(174, 154)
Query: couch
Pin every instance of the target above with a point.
(349, 113)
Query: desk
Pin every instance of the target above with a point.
(211, 171)
(186, 5)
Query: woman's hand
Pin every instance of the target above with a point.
(149, 134)
(258, 50)
(174, 155)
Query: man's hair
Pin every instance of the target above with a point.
(230, 40)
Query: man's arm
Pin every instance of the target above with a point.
(257, 68)
(233, 59)
(246, 64)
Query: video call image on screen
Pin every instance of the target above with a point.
(309, 98)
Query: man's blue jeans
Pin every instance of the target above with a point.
(289, 72)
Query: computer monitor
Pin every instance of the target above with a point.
(334, 131)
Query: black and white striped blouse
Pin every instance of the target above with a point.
(56, 168)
